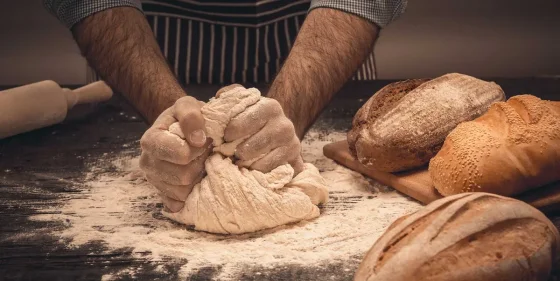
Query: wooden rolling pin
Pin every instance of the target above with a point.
(42, 104)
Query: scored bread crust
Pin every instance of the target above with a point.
(408, 131)
(467, 237)
(380, 103)
(512, 148)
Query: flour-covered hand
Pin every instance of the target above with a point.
(172, 164)
(269, 138)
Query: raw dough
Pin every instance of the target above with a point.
(233, 200)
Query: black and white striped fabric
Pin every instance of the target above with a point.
(228, 42)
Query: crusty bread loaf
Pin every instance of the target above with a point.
(383, 101)
(465, 237)
(512, 148)
(401, 132)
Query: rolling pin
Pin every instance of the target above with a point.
(43, 104)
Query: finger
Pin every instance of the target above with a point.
(187, 112)
(298, 165)
(253, 119)
(172, 173)
(279, 156)
(173, 206)
(163, 145)
(227, 88)
(276, 133)
(175, 192)
(164, 120)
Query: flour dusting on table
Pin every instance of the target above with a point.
(122, 210)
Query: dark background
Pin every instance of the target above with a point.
(484, 38)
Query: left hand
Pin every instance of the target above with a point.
(270, 137)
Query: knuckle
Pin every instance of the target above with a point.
(186, 100)
(273, 106)
(144, 162)
(146, 139)
(144, 143)
(287, 127)
(190, 115)
(272, 103)
(283, 131)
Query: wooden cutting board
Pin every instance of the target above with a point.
(418, 184)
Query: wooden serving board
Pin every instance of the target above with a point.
(418, 184)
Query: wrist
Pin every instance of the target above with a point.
(165, 101)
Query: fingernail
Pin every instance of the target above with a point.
(198, 137)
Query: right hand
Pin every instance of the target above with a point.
(268, 137)
(174, 165)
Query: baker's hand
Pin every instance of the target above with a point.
(270, 138)
(172, 164)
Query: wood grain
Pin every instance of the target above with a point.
(418, 184)
(33, 164)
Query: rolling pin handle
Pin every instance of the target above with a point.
(91, 93)
(71, 98)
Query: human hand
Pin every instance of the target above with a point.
(172, 164)
(269, 138)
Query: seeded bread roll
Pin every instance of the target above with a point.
(465, 237)
(403, 126)
(512, 148)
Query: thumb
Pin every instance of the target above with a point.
(191, 121)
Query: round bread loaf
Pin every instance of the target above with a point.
(380, 103)
(465, 237)
(404, 124)
(512, 148)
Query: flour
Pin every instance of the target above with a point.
(122, 210)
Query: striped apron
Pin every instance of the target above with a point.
(243, 41)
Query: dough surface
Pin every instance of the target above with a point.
(234, 200)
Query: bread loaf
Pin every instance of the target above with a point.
(380, 103)
(404, 125)
(464, 237)
(512, 148)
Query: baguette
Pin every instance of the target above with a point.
(466, 237)
(512, 148)
(404, 125)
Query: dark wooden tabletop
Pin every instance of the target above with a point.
(32, 164)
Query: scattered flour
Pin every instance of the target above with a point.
(119, 209)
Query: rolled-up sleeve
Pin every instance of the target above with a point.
(380, 12)
(70, 12)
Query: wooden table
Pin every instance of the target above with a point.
(31, 165)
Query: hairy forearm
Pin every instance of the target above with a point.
(119, 44)
(329, 48)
